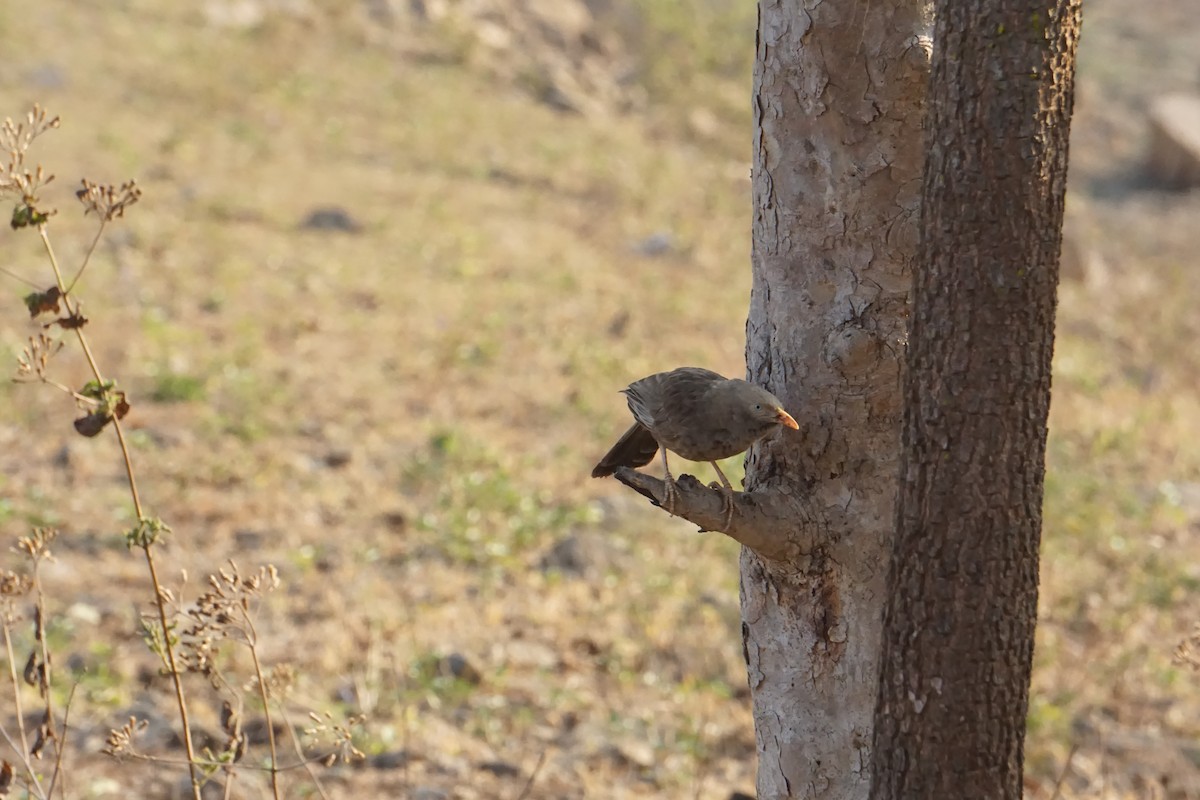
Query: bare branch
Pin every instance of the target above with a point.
(772, 524)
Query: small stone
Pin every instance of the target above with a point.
(331, 218)
(246, 540)
(392, 759)
(428, 793)
(656, 245)
(501, 769)
(396, 520)
(456, 666)
(568, 555)
(336, 459)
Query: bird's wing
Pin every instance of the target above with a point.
(656, 398)
(635, 449)
(642, 398)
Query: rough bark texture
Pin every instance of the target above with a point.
(838, 94)
(963, 604)
(837, 160)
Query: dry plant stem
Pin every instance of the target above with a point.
(532, 776)
(61, 748)
(230, 775)
(17, 277)
(170, 650)
(1062, 775)
(202, 762)
(23, 751)
(304, 761)
(86, 258)
(137, 505)
(262, 693)
(58, 278)
(44, 681)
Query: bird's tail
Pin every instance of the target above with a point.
(635, 449)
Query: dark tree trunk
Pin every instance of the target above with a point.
(962, 606)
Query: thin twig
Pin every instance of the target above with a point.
(87, 256)
(700, 763)
(532, 776)
(1062, 775)
(133, 491)
(306, 763)
(23, 751)
(262, 693)
(12, 671)
(230, 774)
(175, 676)
(17, 277)
(159, 602)
(87, 351)
(44, 679)
(204, 762)
(62, 746)
(63, 388)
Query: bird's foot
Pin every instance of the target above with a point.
(670, 495)
(727, 505)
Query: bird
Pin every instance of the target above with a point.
(697, 414)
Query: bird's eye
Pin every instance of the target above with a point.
(758, 406)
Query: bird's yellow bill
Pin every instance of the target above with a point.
(785, 419)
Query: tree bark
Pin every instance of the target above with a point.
(963, 595)
(838, 91)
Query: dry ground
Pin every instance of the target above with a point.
(401, 417)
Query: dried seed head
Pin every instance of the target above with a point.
(14, 584)
(107, 201)
(120, 740)
(34, 360)
(15, 177)
(37, 544)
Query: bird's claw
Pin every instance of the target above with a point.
(670, 495)
(727, 505)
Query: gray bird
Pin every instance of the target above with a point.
(697, 414)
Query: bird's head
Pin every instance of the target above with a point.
(762, 408)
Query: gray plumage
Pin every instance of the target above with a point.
(697, 414)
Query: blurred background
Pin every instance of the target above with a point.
(394, 260)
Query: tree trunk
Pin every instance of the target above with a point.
(838, 92)
(837, 158)
(963, 596)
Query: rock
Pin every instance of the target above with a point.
(568, 555)
(577, 555)
(247, 539)
(456, 666)
(331, 218)
(1173, 160)
(656, 245)
(391, 759)
(501, 769)
(337, 458)
(428, 793)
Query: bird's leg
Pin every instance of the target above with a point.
(668, 486)
(726, 496)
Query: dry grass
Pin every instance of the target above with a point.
(402, 418)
